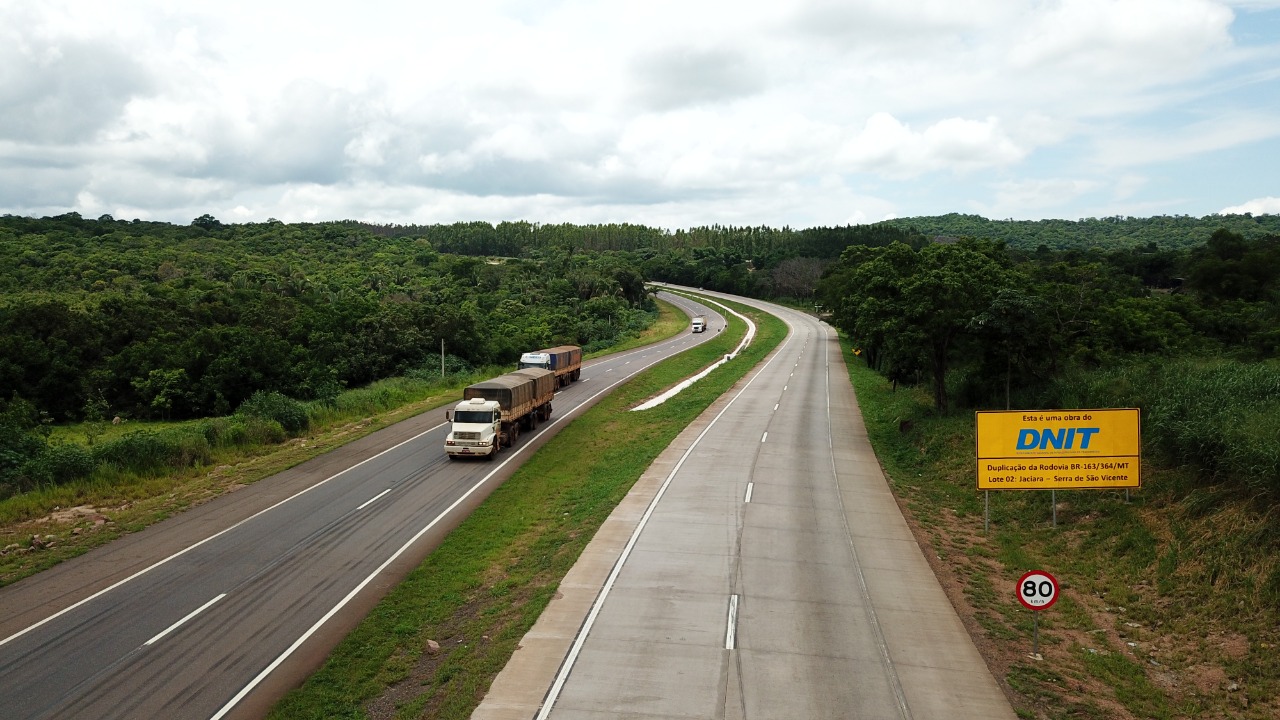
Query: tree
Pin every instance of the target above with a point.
(913, 307)
(207, 222)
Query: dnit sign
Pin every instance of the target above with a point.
(1059, 449)
(1037, 590)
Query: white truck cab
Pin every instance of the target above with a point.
(475, 432)
(699, 324)
(535, 360)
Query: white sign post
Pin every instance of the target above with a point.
(1037, 590)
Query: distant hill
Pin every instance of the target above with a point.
(1168, 232)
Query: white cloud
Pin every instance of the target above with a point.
(1026, 198)
(889, 147)
(1145, 146)
(688, 109)
(1257, 206)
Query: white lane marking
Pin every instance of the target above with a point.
(572, 657)
(216, 535)
(784, 388)
(764, 437)
(750, 488)
(775, 407)
(190, 615)
(373, 499)
(731, 634)
(688, 382)
(409, 543)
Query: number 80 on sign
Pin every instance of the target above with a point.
(1037, 590)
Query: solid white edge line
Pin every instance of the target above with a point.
(731, 633)
(566, 666)
(216, 535)
(178, 624)
(373, 499)
(403, 548)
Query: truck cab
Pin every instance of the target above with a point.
(476, 428)
(535, 360)
(699, 324)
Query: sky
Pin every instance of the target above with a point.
(673, 114)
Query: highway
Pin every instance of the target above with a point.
(218, 611)
(761, 569)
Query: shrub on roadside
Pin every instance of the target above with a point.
(148, 451)
(289, 413)
(59, 464)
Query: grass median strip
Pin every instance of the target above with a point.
(434, 644)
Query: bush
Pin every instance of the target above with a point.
(65, 462)
(259, 431)
(147, 451)
(289, 413)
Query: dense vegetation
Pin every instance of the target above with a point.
(156, 321)
(1190, 337)
(104, 318)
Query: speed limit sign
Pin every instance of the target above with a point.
(1037, 590)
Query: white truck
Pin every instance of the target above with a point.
(699, 323)
(493, 412)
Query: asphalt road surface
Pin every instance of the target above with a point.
(761, 569)
(220, 610)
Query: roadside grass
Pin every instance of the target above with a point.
(1170, 596)
(53, 523)
(477, 594)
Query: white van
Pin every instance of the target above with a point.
(699, 324)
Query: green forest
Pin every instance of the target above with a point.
(104, 318)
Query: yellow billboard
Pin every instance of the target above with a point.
(1059, 449)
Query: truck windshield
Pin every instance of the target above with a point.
(473, 416)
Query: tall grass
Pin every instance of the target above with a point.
(1220, 416)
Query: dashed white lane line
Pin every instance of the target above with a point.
(373, 499)
(731, 632)
(190, 615)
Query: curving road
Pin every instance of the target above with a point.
(760, 569)
(219, 611)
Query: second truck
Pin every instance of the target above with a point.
(565, 361)
(492, 413)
